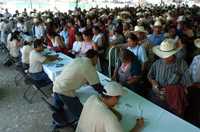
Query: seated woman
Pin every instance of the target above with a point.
(36, 61)
(13, 46)
(56, 40)
(76, 45)
(26, 50)
(87, 43)
(129, 71)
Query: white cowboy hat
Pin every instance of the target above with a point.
(114, 89)
(33, 15)
(181, 18)
(141, 20)
(119, 18)
(139, 14)
(166, 49)
(104, 16)
(139, 29)
(48, 20)
(169, 18)
(197, 42)
(125, 13)
(35, 20)
(157, 24)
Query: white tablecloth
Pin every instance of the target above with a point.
(131, 106)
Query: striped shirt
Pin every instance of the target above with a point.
(195, 69)
(170, 74)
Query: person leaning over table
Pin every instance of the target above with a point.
(98, 114)
(74, 75)
(36, 60)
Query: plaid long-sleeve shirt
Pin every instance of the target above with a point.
(170, 74)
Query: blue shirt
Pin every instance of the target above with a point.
(64, 35)
(156, 39)
(140, 52)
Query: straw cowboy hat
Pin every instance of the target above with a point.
(157, 24)
(125, 13)
(169, 18)
(166, 49)
(181, 19)
(139, 29)
(114, 89)
(49, 20)
(36, 20)
(197, 42)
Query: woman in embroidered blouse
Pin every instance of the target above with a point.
(87, 43)
(56, 40)
(129, 71)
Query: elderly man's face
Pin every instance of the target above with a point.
(169, 60)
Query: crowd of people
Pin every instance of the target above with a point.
(158, 57)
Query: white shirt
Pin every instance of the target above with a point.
(8, 40)
(26, 50)
(97, 39)
(39, 31)
(20, 26)
(36, 60)
(96, 117)
(75, 74)
(77, 46)
(14, 49)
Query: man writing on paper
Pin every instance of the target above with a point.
(98, 114)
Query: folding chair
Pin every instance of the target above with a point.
(21, 74)
(33, 85)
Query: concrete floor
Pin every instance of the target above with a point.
(16, 115)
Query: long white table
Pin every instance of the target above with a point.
(131, 106)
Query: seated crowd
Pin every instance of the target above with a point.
(158, 57)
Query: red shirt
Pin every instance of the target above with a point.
(71, 39)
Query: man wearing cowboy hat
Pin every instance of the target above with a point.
(157, 37)
(167, 71)
(141, 33)
(101, 107)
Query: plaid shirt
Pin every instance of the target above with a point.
(195, 69)
(170, 74)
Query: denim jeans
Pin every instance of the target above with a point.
(68, 110)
